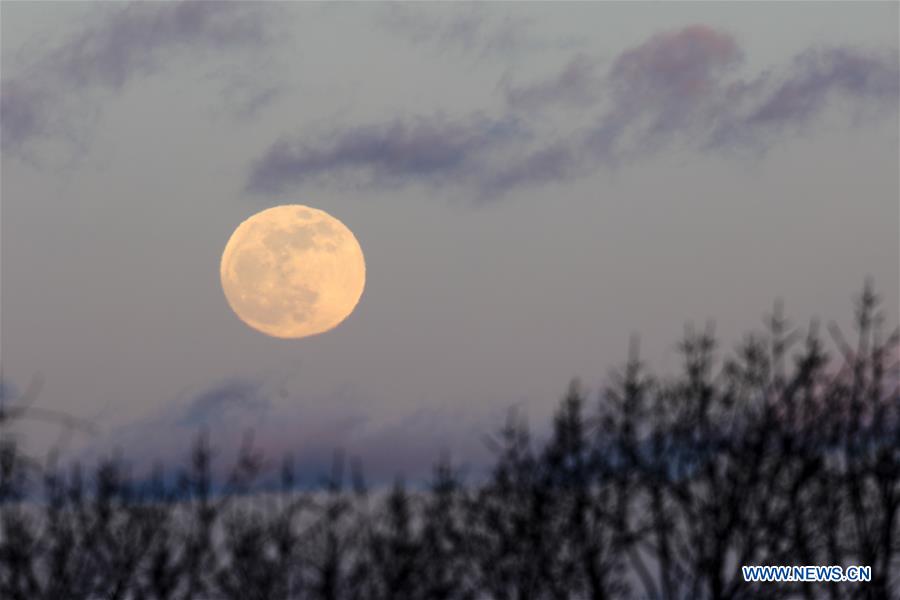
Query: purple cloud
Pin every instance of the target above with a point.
(218, 402)
(309, 429)
(434, 150)
(578, 84)
(679, 86)
(8, 393)
(818, 74)
(469, 30)
(551, 163)
(671, 77)
(129, 41)
(22, 113)
(681, 64)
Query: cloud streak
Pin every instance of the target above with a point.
(434, 150)
(472, 30)
(577, 84)
(129, 41)
(677, 86)
(310, 429)
(817, 74)
(220, 401)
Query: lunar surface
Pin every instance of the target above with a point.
(292, 271)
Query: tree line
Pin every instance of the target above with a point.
(777, 453)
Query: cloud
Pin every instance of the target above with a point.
(309, 428)
(226, 409)
(578, 84)
(134, 40)
(22, 113)
(551, 163)
(9, 393)
(249, 99)
(409, 447)
(672, 76)
(681, 86)
(430, 149)
(683, 64)
(223, 400)
(672, 84)
(469, 29)
(130, 40)
(817, 74)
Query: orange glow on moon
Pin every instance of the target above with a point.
(292, 271)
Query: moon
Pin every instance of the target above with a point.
(292, 271)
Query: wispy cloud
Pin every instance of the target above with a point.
(310, 429)
(22, 113)
(219, 402)
(128, 41)
(552, 162)
(681, 86)
(818, 74)
(678, 86)
(471, 29)
(428, 149)
(578, 84)
(8, 393)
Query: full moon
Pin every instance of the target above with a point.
(292, 271)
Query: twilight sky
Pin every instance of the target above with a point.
(531, 184)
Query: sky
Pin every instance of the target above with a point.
(532, 184)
